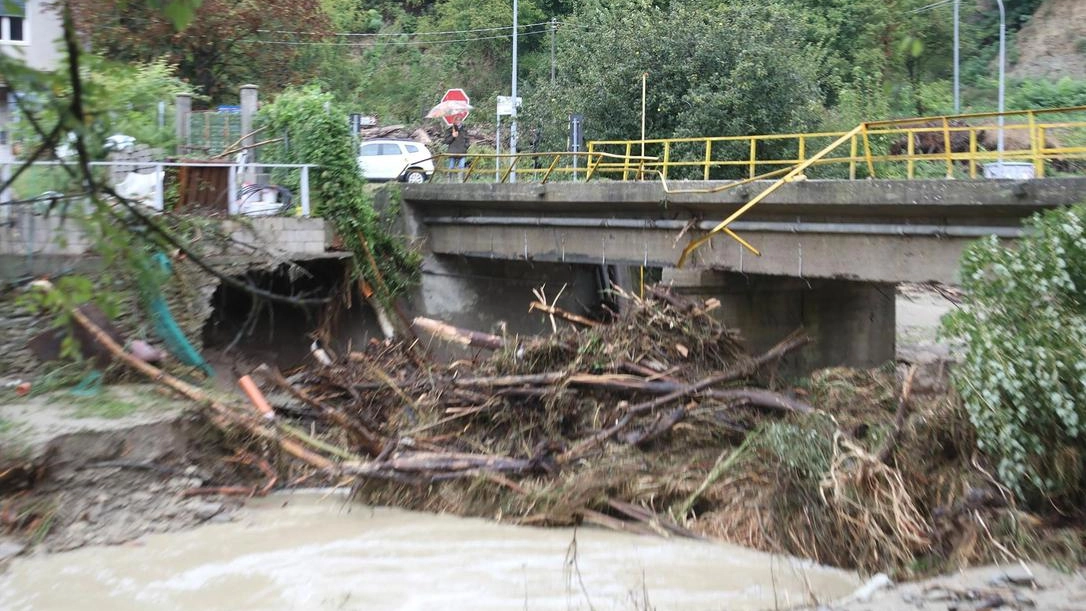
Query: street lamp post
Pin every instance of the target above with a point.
(513, 112)
(957, 80)
(1002, 70)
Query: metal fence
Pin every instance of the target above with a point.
(231, 188)
(212, 131)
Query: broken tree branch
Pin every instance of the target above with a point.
(563, 314)
(787, 345)
(218, 412)
(370, 441)
(456, 335)
(899, 417)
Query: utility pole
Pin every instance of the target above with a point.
(554, 35)
(513, 114)
(957, 81)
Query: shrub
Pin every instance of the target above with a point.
(317, 131)
(1023, 375)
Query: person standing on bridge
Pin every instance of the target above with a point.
(457, 142)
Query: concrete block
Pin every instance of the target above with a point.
(264, 223)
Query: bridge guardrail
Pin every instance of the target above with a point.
(537, 167)
(936, 146)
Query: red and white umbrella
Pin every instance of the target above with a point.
(448, 108)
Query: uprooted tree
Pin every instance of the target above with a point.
(1023, 375)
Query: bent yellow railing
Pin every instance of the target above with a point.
(792, 174)
(934, 146)
(948, 140)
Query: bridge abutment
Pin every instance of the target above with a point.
(852, 323)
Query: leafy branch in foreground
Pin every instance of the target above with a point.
(1023, 375)
(57, 107)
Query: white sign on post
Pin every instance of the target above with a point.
(505, 105)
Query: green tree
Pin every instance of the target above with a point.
(117, 98)
(1023, 373)
(226, 44)
(713, 69)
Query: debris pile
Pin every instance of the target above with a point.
(656, 422)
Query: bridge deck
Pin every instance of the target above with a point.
(874, 230)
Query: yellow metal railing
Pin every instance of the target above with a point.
(531, 167)
(951, 142)
(937, 146)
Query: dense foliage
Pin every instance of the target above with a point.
(218, 51)
(1023, 375)
(117, 98)
(316, 131)
(741, 68)
(726, 67)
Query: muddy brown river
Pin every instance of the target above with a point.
(305, 551)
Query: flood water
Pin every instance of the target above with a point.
(313, 552)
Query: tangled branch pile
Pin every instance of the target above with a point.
(657, 422)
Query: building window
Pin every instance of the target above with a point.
(13, 21)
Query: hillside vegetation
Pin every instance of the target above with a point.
(714, 67)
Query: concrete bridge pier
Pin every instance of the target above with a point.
(494, 295)
(852, 323)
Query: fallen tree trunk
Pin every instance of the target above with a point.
(220, 414)
(456, 335)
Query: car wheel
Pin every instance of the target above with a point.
(415, 177)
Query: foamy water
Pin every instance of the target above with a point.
(309, 552)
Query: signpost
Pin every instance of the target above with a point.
(457, 95)
(505, 109)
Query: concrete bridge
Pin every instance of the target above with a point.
(832, 251)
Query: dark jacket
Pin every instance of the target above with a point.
(457, 141)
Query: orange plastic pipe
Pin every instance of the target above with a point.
(256, 396)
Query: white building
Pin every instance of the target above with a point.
(30, 31)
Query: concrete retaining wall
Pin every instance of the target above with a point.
(26, 232)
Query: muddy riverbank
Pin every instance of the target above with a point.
(107, 468)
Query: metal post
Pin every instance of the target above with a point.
(957, 81)
(554, 35)
(232, 189)
(160, 196)
(305, 191)
(498, 148)
(513, 114)
(644, 89)
(1002, 71)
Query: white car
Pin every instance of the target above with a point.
(389, 159)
